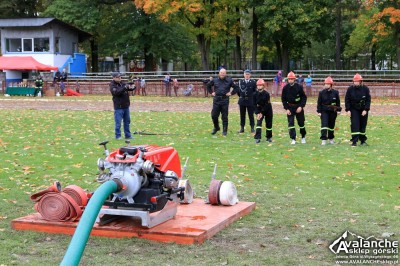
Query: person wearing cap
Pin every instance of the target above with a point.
(328, 107)
(357, 104)
(247, 89)
(263, 110)
(220, 89)
(120, 96)
(294, 100)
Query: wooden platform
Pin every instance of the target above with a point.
(193, 224)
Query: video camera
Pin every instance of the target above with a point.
(128, 88)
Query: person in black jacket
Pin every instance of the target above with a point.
(358, 103)
(328, 107)
(119, 91)
(221, 92)
(247, 89)
(294, 100)
(263, 110)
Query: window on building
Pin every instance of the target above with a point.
(41, 44)
(27, 45)
(13, 45)
(57, 45)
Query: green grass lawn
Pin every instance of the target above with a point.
(306, 195)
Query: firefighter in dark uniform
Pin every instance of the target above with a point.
(294, 100)
(357, 103)
(247, 89)
(39, 86)
(328, 107)
(263, 110)
(222, 91)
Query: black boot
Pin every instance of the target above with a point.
(224, 130)
(252, 129)
(214, 131)
(216, 127)
(241, 130)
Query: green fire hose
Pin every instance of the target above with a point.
(82, 232)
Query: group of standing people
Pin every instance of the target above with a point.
(255, 99)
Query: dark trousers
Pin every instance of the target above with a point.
(220, 106)
(267, 116)
(167, 89)
(358, 125)
(300, 121)
(250, 112)
(328, 119)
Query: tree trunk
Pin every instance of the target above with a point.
(238, 50)
(238, 54)
(149, 63)
(255, 41)
(398, 45)
(285, 59)
(338, 49)
(202, 44)
(373, 57)
(94, 48)
(279, 54)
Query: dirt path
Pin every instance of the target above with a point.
(155, 106)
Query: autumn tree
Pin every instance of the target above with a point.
(386, 23)
(206, 19)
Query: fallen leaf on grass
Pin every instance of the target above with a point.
(397, 207)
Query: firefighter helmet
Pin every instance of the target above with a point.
(260, 82)
(291, 75)
(328, 80)
(357, 77)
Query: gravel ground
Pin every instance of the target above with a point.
(156, 106)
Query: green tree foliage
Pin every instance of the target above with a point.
(19, 8)
(290, 25)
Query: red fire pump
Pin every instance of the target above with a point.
(151, 181)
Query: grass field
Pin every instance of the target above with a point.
(306, 195)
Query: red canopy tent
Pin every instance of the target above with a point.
(23, 63)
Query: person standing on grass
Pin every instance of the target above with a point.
(247, 89)
(39, 86)
(221, 92)
(167, 84)
(277, 83)
(143, 86)
(175, 85)
(263, 110)
(357, 104)
(120, 96)
(294, 100)
(308, 82)
(328, 107)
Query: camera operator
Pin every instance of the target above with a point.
(119, 91)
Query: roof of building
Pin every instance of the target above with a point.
(38, 22)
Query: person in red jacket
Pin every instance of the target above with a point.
(328, 107)
(294, 100)
(358, 103)
(263, 110)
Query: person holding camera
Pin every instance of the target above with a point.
(120, 92)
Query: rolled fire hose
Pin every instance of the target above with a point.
(55, 204)
(85, 225)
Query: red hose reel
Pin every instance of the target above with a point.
(59, 205)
